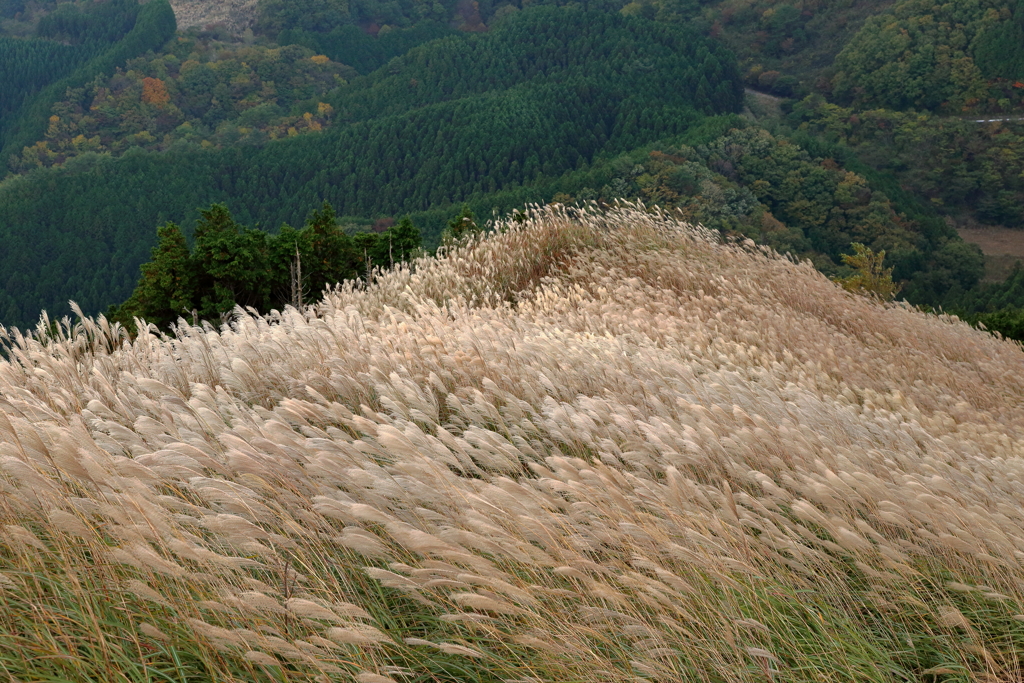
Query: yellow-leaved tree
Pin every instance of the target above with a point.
(869, 278)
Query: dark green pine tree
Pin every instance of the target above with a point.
(366, 245)
(167, 287)
(332, 256)
(398, 243)
(233, 263)
(462, 225)
(403, 239)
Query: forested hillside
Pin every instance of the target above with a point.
(784, 47)
(463, 115)
(107, 35)
(953, 164)
(413, 109)
(27, 65)
(936, 57)
(63, 41)
(204, 92)
(894, 90)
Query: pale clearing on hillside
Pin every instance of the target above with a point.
(236, 15)
(591, 447)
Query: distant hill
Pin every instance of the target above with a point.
(787, 47)
(528, 101)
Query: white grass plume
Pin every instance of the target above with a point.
(590, 446)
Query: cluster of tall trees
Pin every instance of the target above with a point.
(231, 265)
(784, 47)
(895, 54)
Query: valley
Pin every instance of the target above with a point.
(1003, 248)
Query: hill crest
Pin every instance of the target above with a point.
(595, 445)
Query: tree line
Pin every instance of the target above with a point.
(231, 265)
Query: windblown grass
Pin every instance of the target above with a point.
(597, 447)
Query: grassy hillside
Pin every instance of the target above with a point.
(594, 447)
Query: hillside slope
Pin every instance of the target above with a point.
(536, 101)
(591, 448)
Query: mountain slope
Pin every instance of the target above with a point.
(593, 447)
(429, 143)
(148, 28)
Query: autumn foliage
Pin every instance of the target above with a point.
(154, 92)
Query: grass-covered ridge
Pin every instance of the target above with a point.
(592, 447)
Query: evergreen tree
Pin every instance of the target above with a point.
(332, 255)
(403, 241)
(462, 225)
(167, 287)
(233, 264)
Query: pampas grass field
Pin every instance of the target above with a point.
(591, 447)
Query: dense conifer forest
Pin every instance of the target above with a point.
(113, 124)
